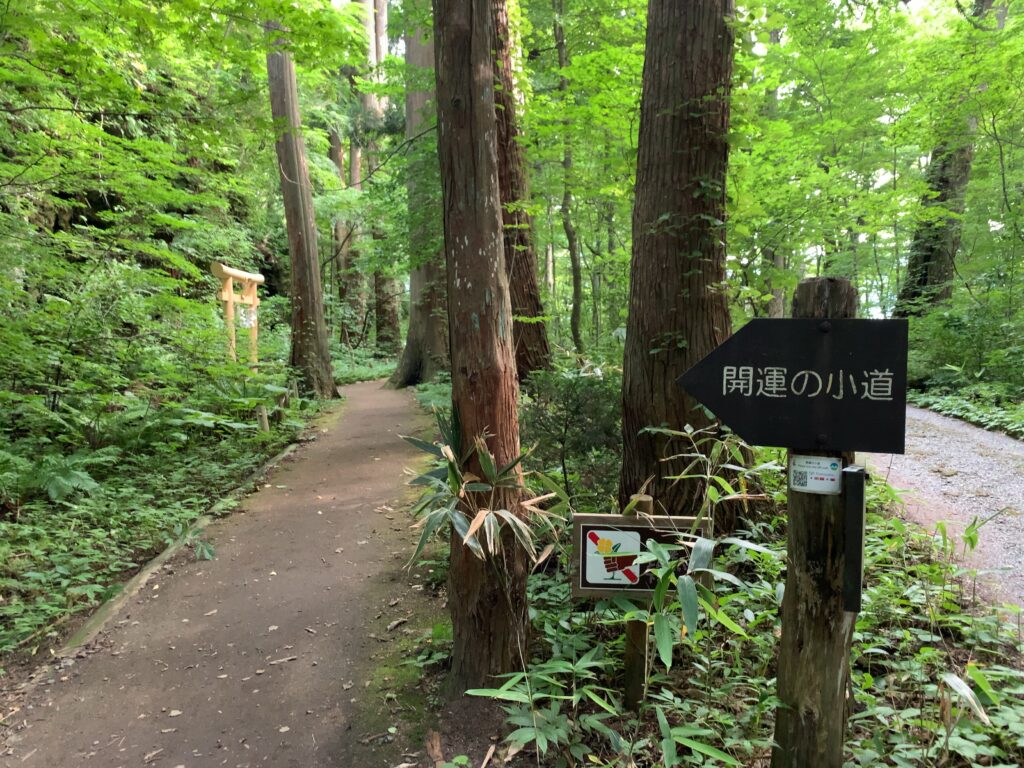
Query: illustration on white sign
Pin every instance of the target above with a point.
(611, 557)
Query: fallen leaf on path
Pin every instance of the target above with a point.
(433, 746)
(168, 730)
(347, 685)
(174, 713)
(282, 660)
(272, 628)
(513, 750)
(283, 729)
(151, 755)
(396, 623)
(210, 613)
(487, 758)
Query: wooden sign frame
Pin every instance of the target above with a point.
(668, 529)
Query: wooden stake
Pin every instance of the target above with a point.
(229, 315)
(636, 631)
(816, 633)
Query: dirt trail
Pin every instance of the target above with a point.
(954, 471)
(263, 656)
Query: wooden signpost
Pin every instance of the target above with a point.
(605, 551)
(823, 385)
(248, 300)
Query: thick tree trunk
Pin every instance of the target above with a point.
(310, 355)
(386, 292)
(571, 238)
(531, 338)
(677, 308)
(935, 242)
(816, 632)
(489, 617)
(936, 239)
(426, 342)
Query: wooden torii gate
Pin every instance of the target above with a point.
(249, 300)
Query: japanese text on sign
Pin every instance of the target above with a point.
(777, 382)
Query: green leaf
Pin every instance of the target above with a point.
(664, 639)
(688, 602)
(432, 523)
(707, 749)
(700, 556)
(486, 462)
(423, 445)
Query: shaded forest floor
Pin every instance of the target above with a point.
(288, 649)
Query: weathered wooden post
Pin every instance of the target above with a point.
(636, 631)
(822, 384)
(813, 669)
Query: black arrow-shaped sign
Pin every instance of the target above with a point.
(809, 384)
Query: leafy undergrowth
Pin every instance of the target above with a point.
(935, 676)
(361, 364)
(105, 513)
(88, 493)
(987, 406)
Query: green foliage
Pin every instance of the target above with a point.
(573, 418)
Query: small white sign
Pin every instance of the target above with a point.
(611, 557)
(816, 474)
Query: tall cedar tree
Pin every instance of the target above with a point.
(386, 290)
(426, 341)
(489, 617)
(310, 355)
(531, 338)
(572, 239)
(932, 260)
(677, 309)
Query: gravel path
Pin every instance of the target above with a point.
(953, 471)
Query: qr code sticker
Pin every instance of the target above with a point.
(799, 478)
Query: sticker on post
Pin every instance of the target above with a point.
(815, 474)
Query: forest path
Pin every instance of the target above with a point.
(263, 656)
(954, 471)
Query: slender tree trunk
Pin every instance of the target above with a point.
(936, 239)
(572, 239)
(341, 241)
(775, 262)
(310, 355)
(426, 343)
(489, 617)
(549, 271)
(351, 290)
(677, 308)
(386, 289)
(531, 338)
